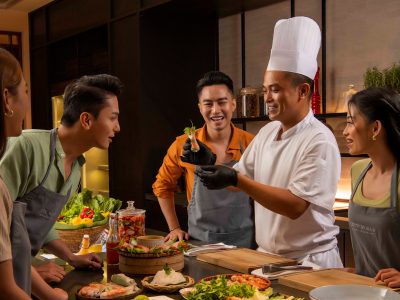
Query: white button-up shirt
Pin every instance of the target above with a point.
(306, 161)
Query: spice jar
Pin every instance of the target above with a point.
(248, 105)
(131, 222)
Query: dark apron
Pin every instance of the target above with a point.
(375, 232)
(42, 208)
(221, 216)
(21, 247)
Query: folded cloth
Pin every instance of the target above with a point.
(276, 275)
(207, 248)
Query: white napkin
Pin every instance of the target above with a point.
(207, 248)
(275, 275)
(48, 256)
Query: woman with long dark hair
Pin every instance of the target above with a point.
(13, 107)
(373, 128)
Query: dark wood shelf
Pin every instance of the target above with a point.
(349, 155)
(252, 119)
(330, 115)
(265, 118)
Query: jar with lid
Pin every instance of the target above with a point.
(112, 241)
(131, 222)
(248, 104)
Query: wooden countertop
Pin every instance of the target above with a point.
(75, 279)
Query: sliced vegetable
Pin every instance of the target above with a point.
(87, 212)
(131, 226)
(191, 133)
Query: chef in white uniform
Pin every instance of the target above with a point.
(292, 167)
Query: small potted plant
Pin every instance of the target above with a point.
(389, 77)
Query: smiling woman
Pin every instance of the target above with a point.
(12, 109)
(373, 127)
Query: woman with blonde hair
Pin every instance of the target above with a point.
(373, 128)
(13, 107)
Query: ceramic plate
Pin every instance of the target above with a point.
(166, 288)
(185, 291)
(125, 297)
(353, 292)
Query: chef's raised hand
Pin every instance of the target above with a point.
(202, 157)
(217, 177)
(91, 261)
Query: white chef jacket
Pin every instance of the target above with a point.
(306, 161)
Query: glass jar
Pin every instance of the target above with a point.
(112, 241)
(131, 222)
(248, 104)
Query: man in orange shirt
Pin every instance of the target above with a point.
(213, 216)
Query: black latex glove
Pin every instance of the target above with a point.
(217, 177)
(202, 157)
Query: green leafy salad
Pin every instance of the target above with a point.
(86, 210)
(220, 288)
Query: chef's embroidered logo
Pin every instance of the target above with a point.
(363, 228)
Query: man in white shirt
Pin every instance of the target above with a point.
(292, 166)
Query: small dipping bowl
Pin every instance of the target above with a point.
(150, 241)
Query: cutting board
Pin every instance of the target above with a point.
(243, 260)
(309, 280)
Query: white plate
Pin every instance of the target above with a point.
(353, 292)
(185, 291)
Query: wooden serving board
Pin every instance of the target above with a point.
(312, 279)
(243, 260)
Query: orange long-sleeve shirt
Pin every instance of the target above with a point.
(173, 167)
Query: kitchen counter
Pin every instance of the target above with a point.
(194, 268)
(75, 279)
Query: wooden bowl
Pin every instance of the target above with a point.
(149, 265)
(150, 241)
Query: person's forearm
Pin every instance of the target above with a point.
(8, 288)
(43, 291)
(40, 288)
(60, 249)
(278, 200)
(168, 208)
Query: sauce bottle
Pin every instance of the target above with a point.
(316, 98)
(85, 244)
(112, 241)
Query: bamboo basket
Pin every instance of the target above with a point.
(149, 265)
(73, 238)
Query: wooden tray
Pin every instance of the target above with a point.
(243, 260)
(312, 279)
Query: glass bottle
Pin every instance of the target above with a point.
(85, 244)
(112, 240)
(131, 222)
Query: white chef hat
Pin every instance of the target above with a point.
(295, 46)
